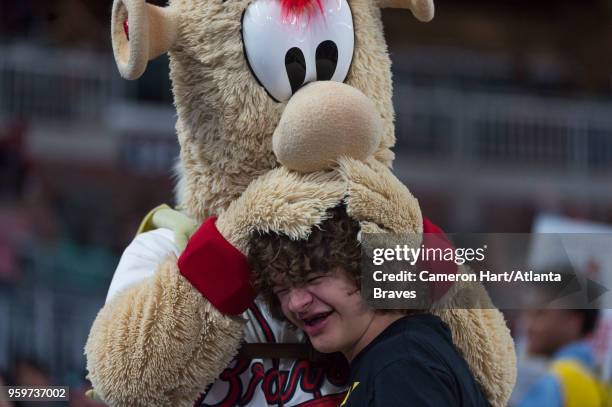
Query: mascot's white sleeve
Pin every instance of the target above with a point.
(141, 258)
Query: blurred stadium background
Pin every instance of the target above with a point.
(503, 110)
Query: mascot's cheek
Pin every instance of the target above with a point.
(324, 121)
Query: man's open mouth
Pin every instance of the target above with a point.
(315, 319)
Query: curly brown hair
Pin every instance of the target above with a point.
(276, 259)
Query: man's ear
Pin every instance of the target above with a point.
(141, 32)
(423, 10)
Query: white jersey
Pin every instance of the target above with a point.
(246, 382)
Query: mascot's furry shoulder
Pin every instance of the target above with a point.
(284, 111)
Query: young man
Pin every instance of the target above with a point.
(397, 358)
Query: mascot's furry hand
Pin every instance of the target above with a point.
(377, 199)
(281, 201)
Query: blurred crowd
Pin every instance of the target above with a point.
(39, 252)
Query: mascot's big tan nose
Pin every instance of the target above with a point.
(324, 121)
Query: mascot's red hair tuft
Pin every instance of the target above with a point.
(297, 8)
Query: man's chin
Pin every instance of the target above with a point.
(324, 346)
(326, 349)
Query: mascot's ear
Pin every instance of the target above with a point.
(423, 10)
(141, 32)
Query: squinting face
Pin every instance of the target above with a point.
(329, 309)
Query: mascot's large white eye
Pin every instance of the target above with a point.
(289, 43)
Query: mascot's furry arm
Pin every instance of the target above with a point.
(160, 342)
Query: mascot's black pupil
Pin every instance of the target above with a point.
(327, 59)
(295, 63)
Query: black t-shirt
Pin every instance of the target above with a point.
(412, 363)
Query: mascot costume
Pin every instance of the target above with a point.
(284, 111)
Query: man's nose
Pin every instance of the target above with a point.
(299, 300)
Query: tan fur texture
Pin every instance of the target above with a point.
(375, 195)
(154, 344)
(282, 202)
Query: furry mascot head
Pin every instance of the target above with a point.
(233, 84)
(284, 111)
